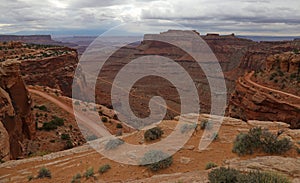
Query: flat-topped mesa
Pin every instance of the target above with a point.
(171, 33)
(26, 38)
(15, 113)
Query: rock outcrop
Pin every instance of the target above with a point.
(56, 72)
(15, 109)
(253, 101)
(287, 62)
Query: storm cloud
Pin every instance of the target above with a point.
(248, 17)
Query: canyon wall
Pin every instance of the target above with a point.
(270, 95)
(56, 72)
(15, 111)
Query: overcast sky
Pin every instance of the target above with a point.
(243, 17)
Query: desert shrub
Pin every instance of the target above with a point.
(206, 124)
(104, 119)
(153, 134)
(89, 173)
(223, 175)
(298, 150)
(119, 125)
(210, 165)
(65, 136)
(243, 145)
(293, 76)
(30, 177)
(187, 127)
(48, 126)
(91, 137)
(156, 160)
(115, 117)
(76, 178)
(264, 177)
(104, 168)
(272, 145)
(41, 107)
(76, 103)
(256, 139)
(44, 173)
(113, 143)
(215, 136)
(69, 144)
(57, 121)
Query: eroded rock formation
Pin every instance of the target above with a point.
(56, 72)
(15, 110)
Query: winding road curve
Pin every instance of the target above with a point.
(248, 79)
(81, 119)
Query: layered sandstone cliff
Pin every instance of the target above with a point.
(271, 95)
(15, 111)
(54, 71)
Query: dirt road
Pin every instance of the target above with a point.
(97, 129)
(248, 79)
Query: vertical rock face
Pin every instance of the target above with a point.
(15, 108)
(4, 144)
(286, 62)
(272, 95)
(249, 102)
(55, 72)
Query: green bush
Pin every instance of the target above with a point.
(298, 150)
(69, 144)
(153, 134)
(119, 125)
(44, 173)
(65, 136)
(41, 107)
(89, 173)
(57, 121)
(48, 126)
(156, 160)
(227, 175)
(210, 165)
(215, 136)
(104, 119)
(76, 178)
(30, 177)
(272, 145)
(258, 139)
(53, 124)
(104, 168)
(206, 124)
(264, 177)
(113, 143)
(223, 175)
(91, 137)
(187, 127)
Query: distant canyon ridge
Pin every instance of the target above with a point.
(236, 56)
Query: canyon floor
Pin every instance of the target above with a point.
(188, 166)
